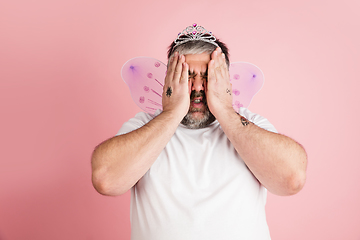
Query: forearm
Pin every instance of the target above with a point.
(277, 161)
(118, 163)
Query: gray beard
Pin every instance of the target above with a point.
(194, 123)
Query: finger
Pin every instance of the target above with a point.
(218, 61)
(211, 71)
(189, 81)
(224, 69)
(215, 56)
(184, 73)
(178, 69)
(172, 66)
(218, 68)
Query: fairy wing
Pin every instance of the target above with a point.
(246, 79)
(145, 79)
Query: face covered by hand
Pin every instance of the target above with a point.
(199, 115)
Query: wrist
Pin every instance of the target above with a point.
(225, 114)
(172, 116)
(231, 121)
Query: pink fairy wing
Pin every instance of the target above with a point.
(145, 79)
(246, 79)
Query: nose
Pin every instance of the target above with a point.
(197, 84)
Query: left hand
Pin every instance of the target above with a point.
(218, 88)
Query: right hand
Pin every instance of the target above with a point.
(175, 97)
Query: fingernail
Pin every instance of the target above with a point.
(223, 55)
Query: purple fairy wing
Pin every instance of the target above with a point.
(246, 79)
(145, 79)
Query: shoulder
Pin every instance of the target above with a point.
(257, 119)
(136, 122)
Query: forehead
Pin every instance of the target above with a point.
(194, 60)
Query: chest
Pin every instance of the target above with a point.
(198, 161)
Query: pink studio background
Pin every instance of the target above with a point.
(62, 94)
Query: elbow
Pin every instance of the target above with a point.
(295, 183)
(100, 186)
(105, 186)
(103, 179)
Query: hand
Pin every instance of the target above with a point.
(218, 89)
(175, 97)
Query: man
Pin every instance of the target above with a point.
(197, 169)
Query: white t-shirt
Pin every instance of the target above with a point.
(198, 188)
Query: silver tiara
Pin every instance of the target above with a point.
(195, 32)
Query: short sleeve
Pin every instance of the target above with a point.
(257, 119)
(134, 123)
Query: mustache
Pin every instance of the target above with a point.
(196, 94)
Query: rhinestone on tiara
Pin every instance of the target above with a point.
(195, 32)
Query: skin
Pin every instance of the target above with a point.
(277, 161)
